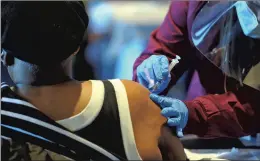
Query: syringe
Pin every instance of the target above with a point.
(151, 81)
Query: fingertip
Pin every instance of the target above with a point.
(180, 134)
(153, 96)
(179, 131)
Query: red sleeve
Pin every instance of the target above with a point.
(169, 39)
(227, 115)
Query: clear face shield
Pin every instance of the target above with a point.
(228, 34)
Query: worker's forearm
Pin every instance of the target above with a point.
(197, 120)
(222, 116)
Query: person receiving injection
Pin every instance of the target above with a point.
(221, 41)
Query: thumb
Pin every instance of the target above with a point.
(179, 132)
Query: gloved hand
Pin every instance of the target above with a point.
(154, 70)
(175, 110)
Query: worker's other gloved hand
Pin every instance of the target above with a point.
(175, 110)
(154, 70)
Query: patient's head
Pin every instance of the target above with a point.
(39, 39)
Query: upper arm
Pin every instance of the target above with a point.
(148, 125)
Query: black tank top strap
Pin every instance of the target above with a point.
(109, 136)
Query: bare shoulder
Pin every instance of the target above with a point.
(154, 139)
(146, 119)
(139, 101)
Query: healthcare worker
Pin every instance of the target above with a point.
(221, 41)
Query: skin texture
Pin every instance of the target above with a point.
(151, 133)
(69, 98)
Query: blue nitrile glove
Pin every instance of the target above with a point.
(175, 110)
(154, 70)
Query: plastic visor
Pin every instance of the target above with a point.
(228, 33)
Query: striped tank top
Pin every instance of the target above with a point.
(103, 130)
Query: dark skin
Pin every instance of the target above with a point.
(64, 97)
